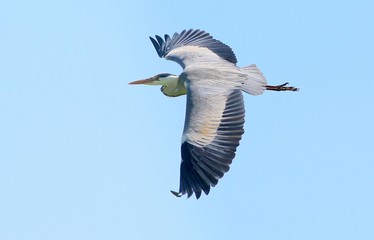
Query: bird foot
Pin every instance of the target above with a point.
(177, 194)
(281, 87)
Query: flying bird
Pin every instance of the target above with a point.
(215, 108)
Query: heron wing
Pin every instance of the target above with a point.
(213, 129)
(190, 45)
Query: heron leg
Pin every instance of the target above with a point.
(177, 194)
(281, 87)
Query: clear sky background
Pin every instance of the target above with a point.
(84, 155)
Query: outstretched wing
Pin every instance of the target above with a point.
(192, 46)
(212, 131)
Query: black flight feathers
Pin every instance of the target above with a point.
(192, 38)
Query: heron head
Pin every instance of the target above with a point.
(164, 79)
(171, 86)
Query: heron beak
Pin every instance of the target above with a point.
(147, 81)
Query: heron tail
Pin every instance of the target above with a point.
(255, 82)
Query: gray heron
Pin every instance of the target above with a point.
(215, 108)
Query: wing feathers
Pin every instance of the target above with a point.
(192, 37)
(203, 166)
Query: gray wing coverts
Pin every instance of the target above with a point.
(202, 167)
(192, 38)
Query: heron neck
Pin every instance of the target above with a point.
(173, 86)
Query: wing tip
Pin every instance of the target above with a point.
(159, 45)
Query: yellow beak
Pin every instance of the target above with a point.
(148, 81)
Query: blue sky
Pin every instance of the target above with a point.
(84, 155)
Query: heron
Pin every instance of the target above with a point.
(214, 117)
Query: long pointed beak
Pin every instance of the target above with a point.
(144, 81)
